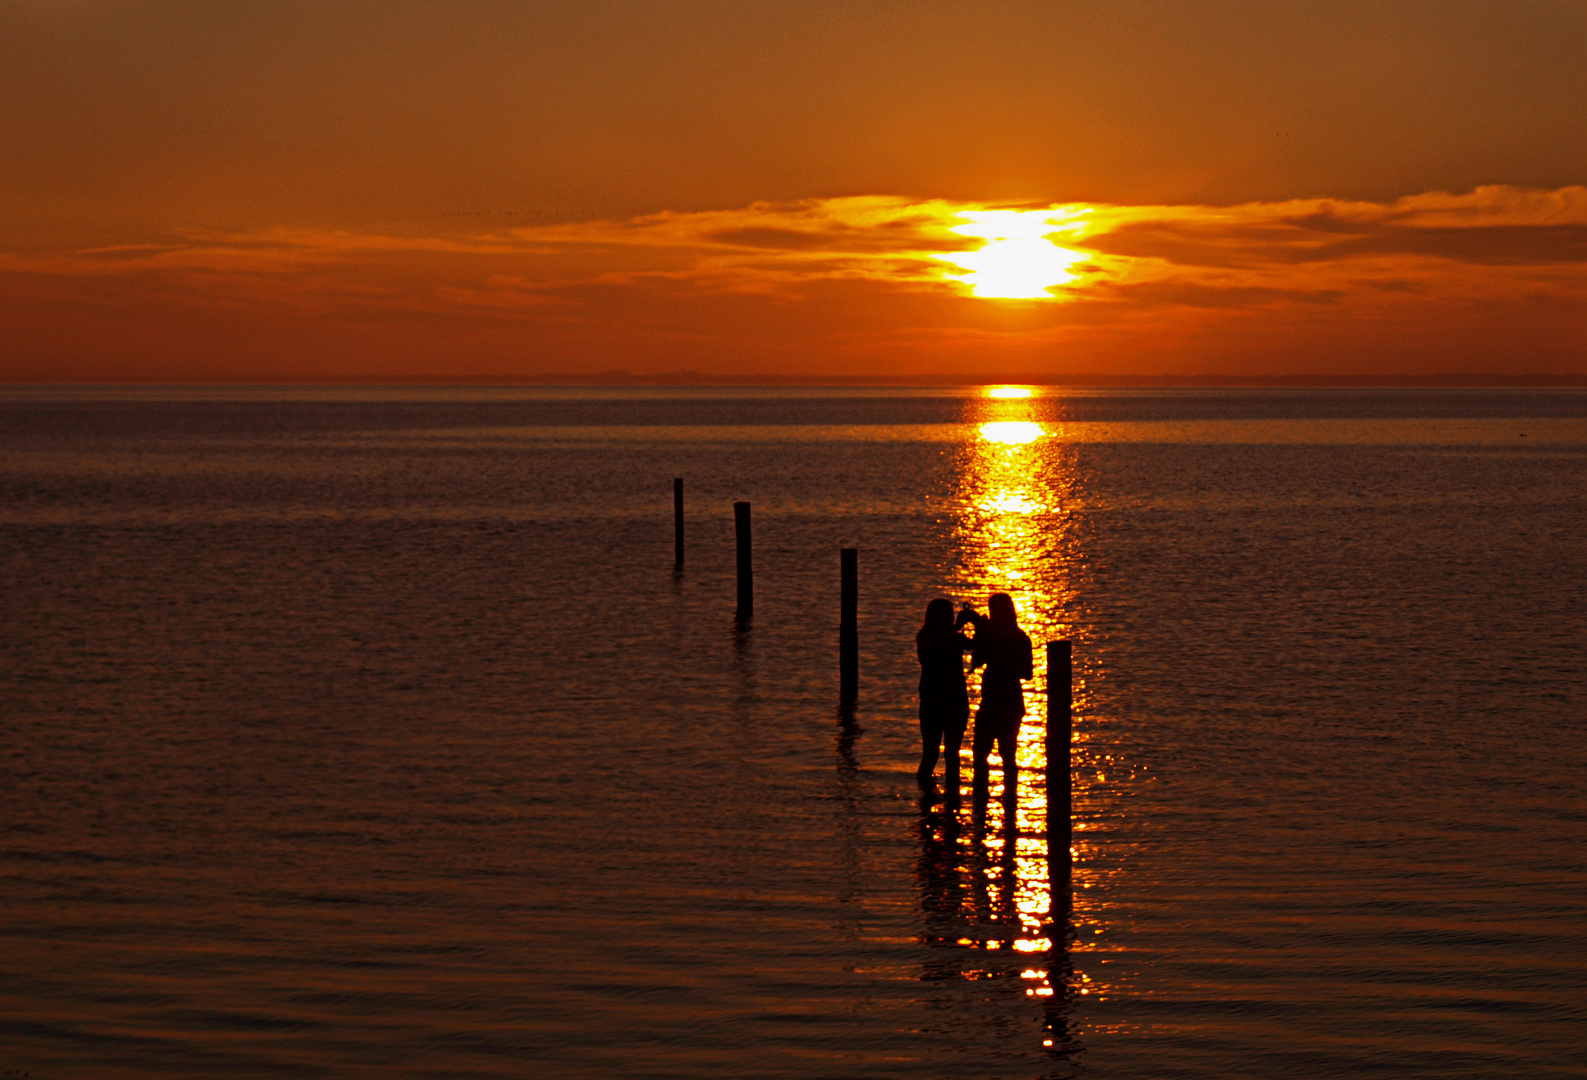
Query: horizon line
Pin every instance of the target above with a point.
(688, 377)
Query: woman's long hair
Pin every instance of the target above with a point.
(939, 619)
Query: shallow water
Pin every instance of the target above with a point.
(370, 732)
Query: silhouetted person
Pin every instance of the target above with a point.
(944, 702)
(1006, 651)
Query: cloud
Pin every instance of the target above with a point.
(267, 251)
(1487, 226)
(865, 276)
(894, 240)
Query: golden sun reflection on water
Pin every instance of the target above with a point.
(1016, 490)
(1011, 431)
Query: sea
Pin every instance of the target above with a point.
(377, 732)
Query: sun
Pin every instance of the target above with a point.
(1018, 261)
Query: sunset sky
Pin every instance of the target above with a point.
(216, 190)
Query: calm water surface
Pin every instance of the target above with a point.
(370, 733)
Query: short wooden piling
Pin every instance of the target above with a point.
(746, 572)
(849, 627)
(677, 523)
(1060, 806)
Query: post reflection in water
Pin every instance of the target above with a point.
(985, 895)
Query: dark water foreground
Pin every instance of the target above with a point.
(370, 734)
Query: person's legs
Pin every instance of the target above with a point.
(952, 739)
(930, 739)
(981, 746)
(1008, 748)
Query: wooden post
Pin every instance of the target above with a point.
(1060, 807)
(677, 523)
(746, 572)
(849, 627)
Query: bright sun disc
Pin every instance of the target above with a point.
(1008, 392)
(1011, 431)
(1017, 262)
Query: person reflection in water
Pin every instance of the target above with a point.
(944, 702)
(1005, 650)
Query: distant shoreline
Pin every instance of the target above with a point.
(1452, 380)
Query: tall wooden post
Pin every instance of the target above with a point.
(746, 572)
(1060, 807)
(677, 523)
(849, 628)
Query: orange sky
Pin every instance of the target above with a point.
(265, 190)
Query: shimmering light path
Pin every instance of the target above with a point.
(1013, 502)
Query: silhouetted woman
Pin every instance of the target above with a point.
(944, 703)
(1005, 650)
